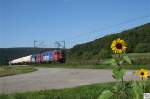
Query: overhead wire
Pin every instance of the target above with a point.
(108, 27)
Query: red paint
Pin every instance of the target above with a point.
(56, 55)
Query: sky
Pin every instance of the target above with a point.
(75, 21)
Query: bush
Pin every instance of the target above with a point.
(139, 60)
(141, 48)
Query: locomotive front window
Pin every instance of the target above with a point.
(56, 53)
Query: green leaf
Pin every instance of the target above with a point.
(137, 89)
(114, 88)
(111, 62)
(118, 73)
(127, 59)
(105, 94)
(121, 62)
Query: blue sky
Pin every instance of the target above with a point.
(76, 21)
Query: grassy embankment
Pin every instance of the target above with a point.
(13, 70)
(140, 60)
(82, 92)
(90, 66)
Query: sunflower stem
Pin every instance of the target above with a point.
(143, 87)
(122, 79)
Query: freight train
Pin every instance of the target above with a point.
(52, 56)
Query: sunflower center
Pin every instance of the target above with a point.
(142, 73)
(119, 46)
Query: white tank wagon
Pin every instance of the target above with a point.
(22, 60)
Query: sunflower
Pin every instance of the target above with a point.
(142, 73)
(119, 46)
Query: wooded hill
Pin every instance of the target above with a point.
(138, 42)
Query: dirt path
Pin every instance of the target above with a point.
(56, 78)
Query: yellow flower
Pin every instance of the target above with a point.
(119, 46)
(142, 73)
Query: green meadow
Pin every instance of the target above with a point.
(81, 92)
(13, 70)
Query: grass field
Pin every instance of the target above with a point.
(82, 92)
(91, 66)
(13, 70)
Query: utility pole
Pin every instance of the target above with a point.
(64, 44)
(60, 44)
(34, 43)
